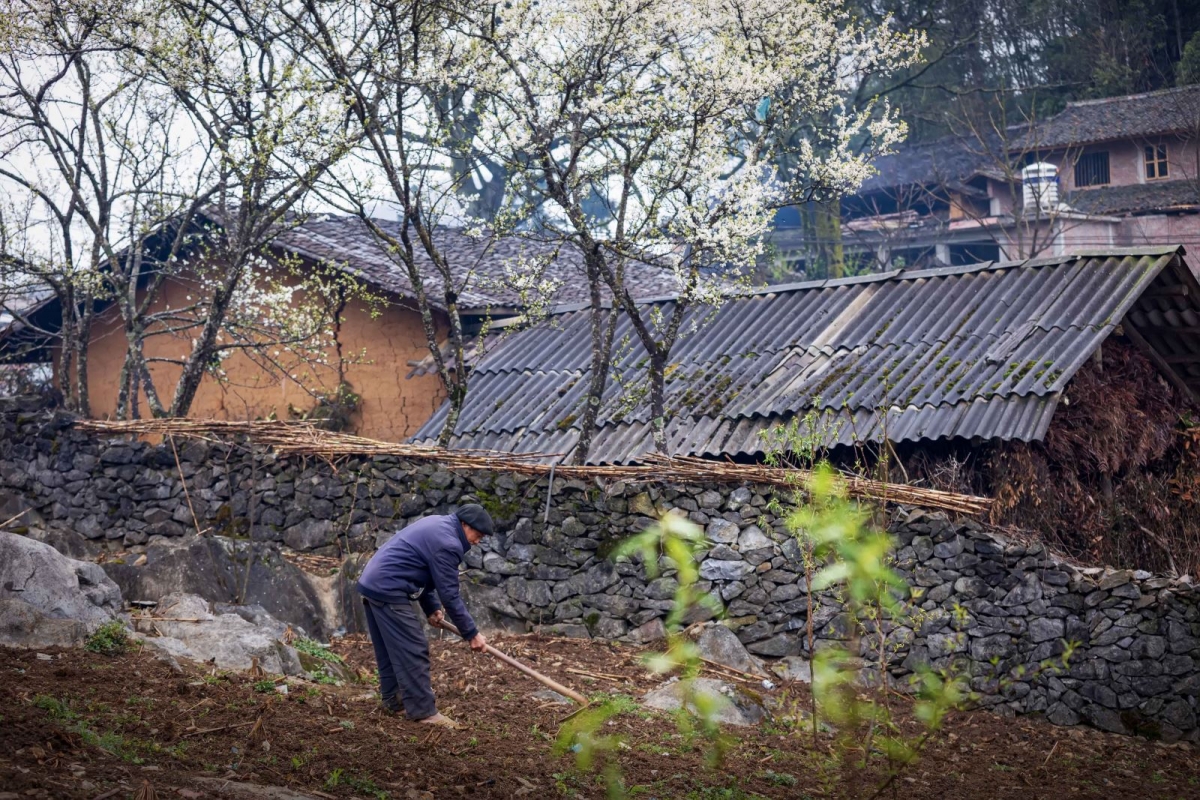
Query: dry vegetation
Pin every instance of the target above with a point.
(1116, 481)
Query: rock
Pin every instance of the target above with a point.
(943, 644)
(710, 498)
(1112, 580)
(310, 534)
(793, 668)
(214, 567)
(595, 580)
(534, 593)
(652, 631)
(714, 570)
(223, 787)
(948, 549)
(609, 628)
(52, 598)
(1028, 590)
(492, 608)
(753, 539)
(26, 627)
(1042, 629)
(719, 644)
(642, 505)
(732, 706)
(662, 589)
(227, 640)
(1106, 719)
(722, 531)
(551, 696)
(783, 644)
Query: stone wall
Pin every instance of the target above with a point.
(993, 608)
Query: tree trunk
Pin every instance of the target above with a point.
(82, 403)
(658, 411)
(203, 350)
(604, 328)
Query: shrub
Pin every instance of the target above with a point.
(110, 639)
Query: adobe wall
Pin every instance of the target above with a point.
(994, 609)
(377, 350)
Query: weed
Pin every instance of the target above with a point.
(110, 639)
(263, 686)
(777, 778)
(317, 650)
(322, 676)
(359, 783)
(125, 748)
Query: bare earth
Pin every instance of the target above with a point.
(81, 725)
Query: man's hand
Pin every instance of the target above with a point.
(435, 619)
(479, 644)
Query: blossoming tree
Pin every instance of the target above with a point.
(649, 131)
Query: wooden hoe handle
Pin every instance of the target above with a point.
(537, 676)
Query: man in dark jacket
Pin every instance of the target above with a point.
(419, 563)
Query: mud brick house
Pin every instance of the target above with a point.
(1113, 172)
(392, 405)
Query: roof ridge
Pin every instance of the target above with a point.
(1096, 101)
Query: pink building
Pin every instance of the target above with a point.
(1119, 172)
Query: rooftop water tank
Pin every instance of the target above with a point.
(1039, 187)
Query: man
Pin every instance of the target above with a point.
(419, 563)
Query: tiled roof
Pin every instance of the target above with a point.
(947, 160)
(481, 267)
(978, 352)
(1132, 116)
(1135, 198)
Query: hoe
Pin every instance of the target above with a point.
(537, 676)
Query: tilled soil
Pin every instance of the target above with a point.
(82, 725)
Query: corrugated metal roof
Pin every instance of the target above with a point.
(977, 352)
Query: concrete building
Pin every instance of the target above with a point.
(1114, 172)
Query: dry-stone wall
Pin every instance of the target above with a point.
(996, 609)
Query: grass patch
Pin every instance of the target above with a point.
(110, 639)
(317, 650)
(123, 747)
(359, 783)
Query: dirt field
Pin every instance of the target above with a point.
(81, 725)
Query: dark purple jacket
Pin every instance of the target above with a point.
(421, 562)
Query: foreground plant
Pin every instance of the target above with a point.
(677, 540)
(856, 558)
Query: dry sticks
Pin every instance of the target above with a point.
(306, 439)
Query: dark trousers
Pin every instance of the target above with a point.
(402, 653)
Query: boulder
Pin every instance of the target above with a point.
(492, 608)
(23, 626)
(68, 541)
(720, 645)
(215, 568)
(50, 599)
(793, 668)
(229, 641)
(732, 707)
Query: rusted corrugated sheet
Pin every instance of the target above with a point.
(977, 352)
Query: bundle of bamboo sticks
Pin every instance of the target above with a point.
(305, 439)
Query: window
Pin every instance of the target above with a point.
(1092, 169)
(1156, 161)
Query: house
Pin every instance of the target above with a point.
(391, 405)
(1124, 172)
(980, 352)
